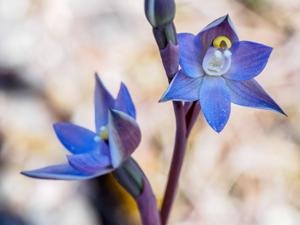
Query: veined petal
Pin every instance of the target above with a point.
(250, 93)
(103, 101)
(183, 88)
(61, 172)
(124, 101)
(93, 161)
(248, 60)
(75, 138)
(215, 102)
(190, 51)
(220, 27)
(124, 136)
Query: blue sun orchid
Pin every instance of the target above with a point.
(97, 153)
(217, 69)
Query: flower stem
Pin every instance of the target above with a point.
(131, 177)
(177, 162)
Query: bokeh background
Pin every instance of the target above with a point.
(49, 51)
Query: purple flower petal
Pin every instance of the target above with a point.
(103, 101)
(59, 172)
(215, 102)
(190, 54)
(248, 60)
(183, 88)
(124, 102)
(75, 138)
(124, 136)
(250, 93)
(93, 161)
(220, 27)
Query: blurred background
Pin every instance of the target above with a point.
(49, 51)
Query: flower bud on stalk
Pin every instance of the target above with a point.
(160, 14)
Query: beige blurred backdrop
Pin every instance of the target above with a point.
(49, 51)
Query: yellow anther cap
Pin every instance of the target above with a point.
(222, 42)
(103, 133)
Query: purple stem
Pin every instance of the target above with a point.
(185, 115)
(176, 164)
(146, 203)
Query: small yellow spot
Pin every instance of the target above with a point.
(103, 133)
(222, 42)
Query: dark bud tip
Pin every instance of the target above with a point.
(159, 12)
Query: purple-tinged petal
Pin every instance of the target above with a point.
(183, 88)
(215, 102)
(103, 102)
(248, 60)
(124, 136)
(190, 54)
(93, 161)
(124, 102)
(59, 172)
(220, 27)
(75, 138)
(250, 93)
(170, 59)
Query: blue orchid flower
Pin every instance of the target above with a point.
(97, 153)
(217, 69)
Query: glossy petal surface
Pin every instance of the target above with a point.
(93, 161)
(103, 102)
(183, 88)
(124, 102)
(190, 51)
(250, 93)
(75, 138)
(124, 136)
(215, 102)
(220, 27)
(59, 172)
(248, 60)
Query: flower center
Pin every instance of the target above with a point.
(217, 59)
(103, 134)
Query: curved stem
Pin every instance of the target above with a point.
(177, 162)
(132, 178)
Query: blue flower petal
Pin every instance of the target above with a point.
(124, 136)
(103, 101)
(60, 172)
(215, 102)
(93, 161)
(248, 60)
(250, 93)
(190, 51)
(75, 138)
(220, 27)
(183, 88)
(124, 101)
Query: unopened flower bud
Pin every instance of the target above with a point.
(160, 12)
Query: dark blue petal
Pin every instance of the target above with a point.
(183, 88)
(248, 60)
(75, 138)
(93, 161)
(190, 51)
(124, 102)
(103, 102)
(220, 27)
(124, 136)
(215, 102)
(59, 172)
(250, 93)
